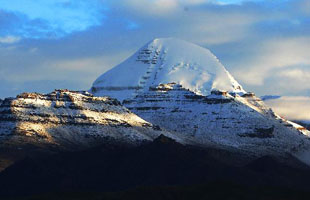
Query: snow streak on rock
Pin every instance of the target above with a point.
(67, 117)
(220, 119)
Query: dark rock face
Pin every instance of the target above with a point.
(165, 162)
(249, 94)
(260, 133)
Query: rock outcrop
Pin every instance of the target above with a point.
(219, 119)
(67, 118)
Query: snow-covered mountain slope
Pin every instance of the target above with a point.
(184, 89)
(165, 61)
(220, 119)
(69, 118)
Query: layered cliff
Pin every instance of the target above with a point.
(67, 118)
(220, 119)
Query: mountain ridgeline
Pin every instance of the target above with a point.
(66, 120)
(183, 88)
(171, 115)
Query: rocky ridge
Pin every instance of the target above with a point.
(221, 119)
(66, 117)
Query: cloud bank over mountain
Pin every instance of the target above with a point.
(66, 44)
(293, 108)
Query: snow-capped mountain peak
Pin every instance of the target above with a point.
(163, 61)
(184, 89)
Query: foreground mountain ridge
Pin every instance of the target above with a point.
(66, 117)
(162, 162)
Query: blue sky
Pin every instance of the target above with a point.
(51, 19)
(48, 44)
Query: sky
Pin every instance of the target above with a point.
(49, 44)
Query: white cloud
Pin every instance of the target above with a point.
(89, 67)
(35, 66)
(274, 55)
(150, 7)
(297, 74)
(9, 39)
(197, 21)
(293, 108)
(195, 2)
(293, 80)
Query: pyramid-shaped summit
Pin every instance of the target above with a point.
(163, 61)
(184, 89)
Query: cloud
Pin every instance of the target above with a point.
(297, 74)
(9, 39)
(238, 2)
(264, 44)
(48, 65)
(303, 6)
(158, 8)
(200, 22)
(292, 108)
(273, 55)
(75, 69)
(279, 66)
(291, 81)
